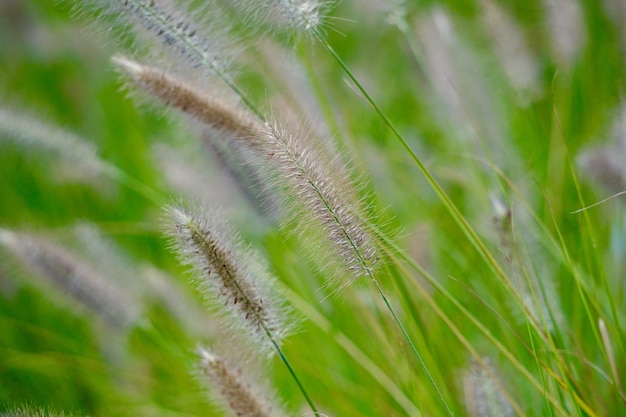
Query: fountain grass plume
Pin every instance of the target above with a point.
(31, 132)
(228, 274)
(483, 395)
(70, 275)
(327, 195)
(202, 44)
(298, 17)
(233, 277)
(180, 94)
(233, 389)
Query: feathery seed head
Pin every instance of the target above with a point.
(234, 390)
(172, 30)
(603, 165)
(304, 15)
(73, 277)
(30, 131)
(566, 25)
(180, 95)
(227, 126)
(325, 194)
(299, 16)
(230, 275)
(516, 58)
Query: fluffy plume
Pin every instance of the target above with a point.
(70, 275)
(225, 124)
(516, 58)
(31, 132)
(603, 165)
(324, 192)
(566, 27)
(228, 274)
(234, 390)
(205, 47)
(181, 95)
(297, 16)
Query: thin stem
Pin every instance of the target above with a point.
(350, 347)
(292, 372)
(410, 342)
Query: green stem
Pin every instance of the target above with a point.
(410, 342)
(292, 372)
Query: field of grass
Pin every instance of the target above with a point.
(355, 208)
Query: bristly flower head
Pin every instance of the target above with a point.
(234, 390)
(320, 186)
(229, 274)
(69, 274)
(300, 17)
(205, 46)
(31, 132)
(484, 396)
(178, 93)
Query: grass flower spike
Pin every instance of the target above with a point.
(233, 277)
(233, 389)
(31, 132)
(189, 99)
(228, 274)
(70, 275)
(483, 396)
(300, 16)
(203, 46)
(327, 196)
